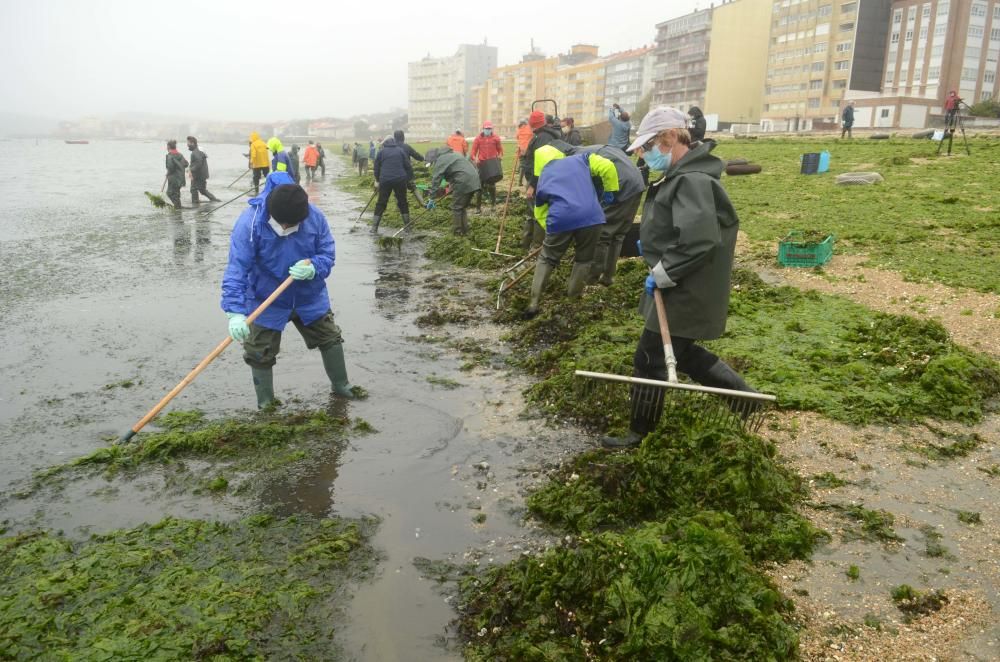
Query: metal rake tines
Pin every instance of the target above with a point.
(648, 398)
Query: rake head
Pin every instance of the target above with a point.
(647, 400)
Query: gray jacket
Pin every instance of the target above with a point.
(199, 165)
(630, 182)
(456, 170)
(689, 224)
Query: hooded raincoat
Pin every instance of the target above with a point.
(565, 198)
(457, 171)
(690, 226)
(259, 260)
(175, 163)
(392, 164)
(458, 144)
(258, 151)
(279, 159)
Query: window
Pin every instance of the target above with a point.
(978, 9)
(986, 96)
(822, 28)
(816, 84)
(841, 65)
(926, 11)
(923, 32)
(972, 52)
(940, 28)
(845, 27)
(995, 33)
(975, 31)
(838, 84)
(936, 51)
(918, 74)
(969, 73)
(825, 10)
(884, 113)
(814, 103)
(820, 47)
(848, 7)
(889, 77)
(818, 66)
(933, 73)
(996, 12)
(895, 38)
(990, 77)
(909, 35)
(844, 46)
(897, 16)
(942, 8)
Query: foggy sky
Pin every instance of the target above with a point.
(255, 60)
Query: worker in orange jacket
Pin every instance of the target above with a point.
(524, 136)
(311, 158)
(458, 143)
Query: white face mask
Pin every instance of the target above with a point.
(281, 231)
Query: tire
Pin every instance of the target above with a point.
(879, 136)
(926, 133)
(744, 169)
(732, 162)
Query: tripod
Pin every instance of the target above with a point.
(951, 120)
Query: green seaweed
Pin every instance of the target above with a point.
(259, 588)
(684, 467)
(683, 589)
(969, 517)
(915, 603)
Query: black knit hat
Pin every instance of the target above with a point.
(288, 204)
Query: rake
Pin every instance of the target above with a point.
(648, 398)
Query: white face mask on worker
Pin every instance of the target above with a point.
(280, 231)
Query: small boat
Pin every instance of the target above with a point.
(77, 142)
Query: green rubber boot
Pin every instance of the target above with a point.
(336, 370)
(375, 223)
(577, 279)
(263, 384)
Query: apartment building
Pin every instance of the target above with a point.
(439, 95)
(737, 60)
(506, 95)
(628, 77)
(577, 85)
(934, 46)
(819, 51)
(681, 62)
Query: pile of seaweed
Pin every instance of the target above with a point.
(259, 588)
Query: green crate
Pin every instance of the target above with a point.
(794, 251)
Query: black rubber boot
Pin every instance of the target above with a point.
(375, 224)
(577, 279)
(542, 272)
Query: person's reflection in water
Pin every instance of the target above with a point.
(202, 238)
(182, 239)
(392, 287)
(310, 491)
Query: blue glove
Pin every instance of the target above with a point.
(638, 246)
(238, 329)
(430, 204)
(302, 270)
(607, 198)
(650, 284)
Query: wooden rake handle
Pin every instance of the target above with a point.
(668, 347)
(506, 203)
(204, 364)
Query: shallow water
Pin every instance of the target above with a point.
(99, 287)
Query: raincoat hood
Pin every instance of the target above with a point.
(259, 203)
(254, 136)
(545, 155)
(699, 159)
(274, 145)
(399, 136)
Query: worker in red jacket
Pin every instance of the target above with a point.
(457, 143)
(487, 151)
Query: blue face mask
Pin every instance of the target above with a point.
(657, 160)
(487, 132)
